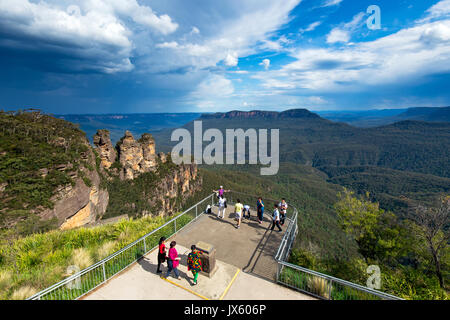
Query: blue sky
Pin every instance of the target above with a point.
(127, 56)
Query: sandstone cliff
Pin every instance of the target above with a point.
(136, 157)
(83, 203)
(104, 148)
(141, 181)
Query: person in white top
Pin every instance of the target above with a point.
(222, 208)
(276, 218)
(283, 210)
(246, 210)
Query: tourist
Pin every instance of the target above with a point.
(276, 218)
(161, 253)
(247, 210)
(194, 263)
(220, 192)
(222, 206)
(173, 261)
(283, 210)
(260, 210)
(238, 210)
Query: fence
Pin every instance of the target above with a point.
(84, 281)
(308, 281)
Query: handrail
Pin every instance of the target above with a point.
(280, 257)
(283, 252)
(117, 253)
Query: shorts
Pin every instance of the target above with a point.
(238, 215)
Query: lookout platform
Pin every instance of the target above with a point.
(245, 259)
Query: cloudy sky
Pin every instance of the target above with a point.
(126, 56)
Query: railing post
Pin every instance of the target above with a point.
(175, 223)
(104, 272)
(330, 286)
(196, 211)
(145, 246)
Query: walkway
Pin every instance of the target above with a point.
(246, 267)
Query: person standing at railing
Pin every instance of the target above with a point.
(161, 253)
(220, 192)
(238, 210)
(194, 263)
(283, 210)
(222, 206)
(260, 210)
(276, 218)
(173, 261)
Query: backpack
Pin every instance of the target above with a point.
(225, 204)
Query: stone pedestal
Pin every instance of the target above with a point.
(208, 258)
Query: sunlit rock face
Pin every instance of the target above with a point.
(136, 157)
(104, 148)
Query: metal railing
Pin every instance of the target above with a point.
(308, 281)
(305, 280)
(86, 280)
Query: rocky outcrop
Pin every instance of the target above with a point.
(104, 148)
(78, 205)
(172, 191)
(136, 157)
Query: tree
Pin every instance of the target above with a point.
(378, 233)
(433, 229)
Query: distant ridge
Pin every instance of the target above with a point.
(293, 113)
(441, 114)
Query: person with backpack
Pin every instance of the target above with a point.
(194, 263)
(283, 210)
(276, 218)
(238, 210)
(260, 210)
(161, 253)
(173, 261)
(222, 207)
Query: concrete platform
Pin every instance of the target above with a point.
(245, 258)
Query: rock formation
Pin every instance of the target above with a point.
(104, 148)
(178, 186)
(78, 205)
(136, 157)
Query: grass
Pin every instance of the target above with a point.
(33, 263)
(320, 286)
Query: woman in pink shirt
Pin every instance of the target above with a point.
(173, 261)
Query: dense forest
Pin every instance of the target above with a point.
(396, 169)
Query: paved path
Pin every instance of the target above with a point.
(251, 248)
(244, 258)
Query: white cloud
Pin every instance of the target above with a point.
(338, 35)
(91, 32)
(311, 27)
(195, 30)
(277, 45)
(412, 53)
(343, 33)
(213, 86)
(168, 45)
(265, 63)
(330, 3)
(439, 10)
(231, 60)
